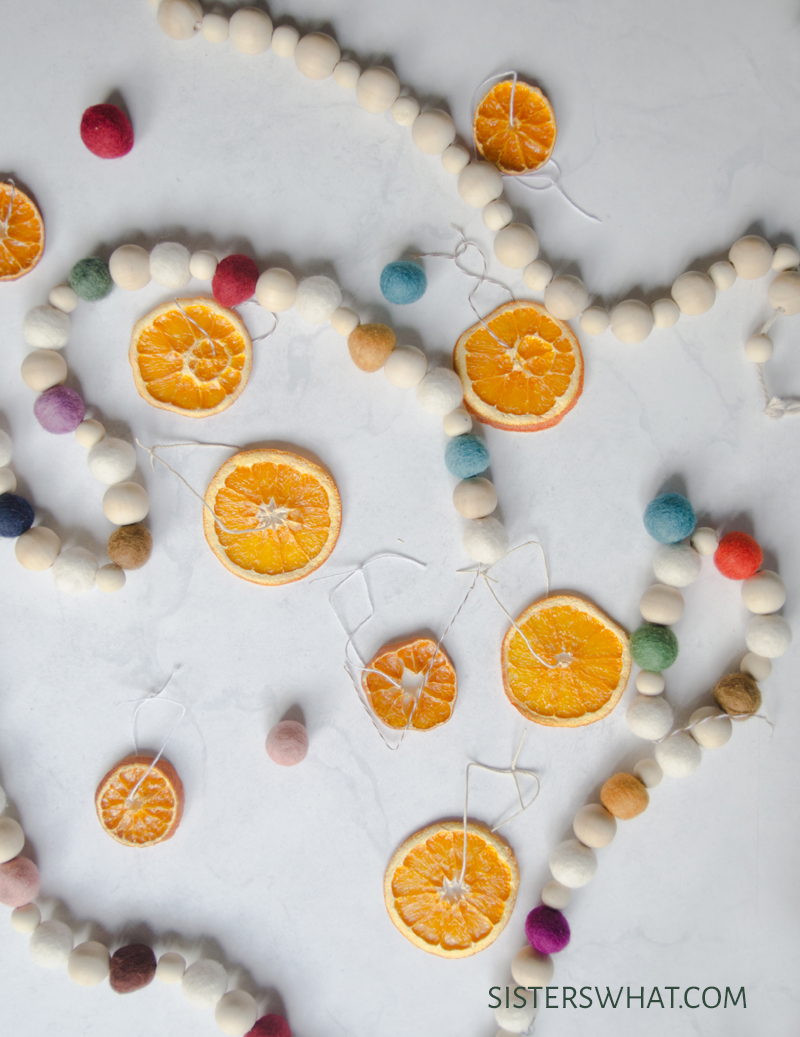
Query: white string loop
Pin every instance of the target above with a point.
(152, 697)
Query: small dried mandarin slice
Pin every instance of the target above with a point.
(21, 233)
(411, 683)
(140, 803)
(514, 127)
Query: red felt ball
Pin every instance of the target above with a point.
(235, 280)
(738, 556)
(106, 131)
(270, 1026)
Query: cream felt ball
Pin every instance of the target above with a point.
(24, 919)
(758, 349)
(110, 578)
(786, 258)
(769, 636)
(555, 894)
(129, 266)
(236, 1012)
(406, 366)
(50, 944)
(276, 290)
(346, 74)
(566, 296)
(169, 265)
(405, 110)
(440, 391)
(37, 548)
(650, 683)
(45, 327)
(204, 983)
(457, 422)
(170, 968)
(316, 55)
(214, 27)
(649, 716)
(712, 728)
(723, 275)
(12, 838)
(479, 183)
(764, 592)
(573, 864)
(517, 1020)
(694, 292)
(665, 313)
(454, 159)
(649, 773)
(433, 131)
(125, 503)
(317, 299)
(497, 214)
(74, 570)
(19, 882)
(284, 40)
(344, 321)
(530, 968)
(63, 297)
(594, 826)
(677, 565)
(287, 744)
(679, 755)
(661, 604)
(112, 460)
(203, 265)
(751, 257)
(89, 432)
(8, 481)
(537, 275)
(485, 540)
(475, 498)
(7, 448)
(42, 369)
(594, 320)
(377, 89)
(705, 540)
(631, 321)
(179, 19)
(784, 292)
(88, 964)
(250, 30)
(516, 245)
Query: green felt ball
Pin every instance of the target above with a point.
(90, 279)
(654, 648)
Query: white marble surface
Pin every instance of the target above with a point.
(678, 127)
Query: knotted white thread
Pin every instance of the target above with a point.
(152, 697)
(775, 406)
(720, 716)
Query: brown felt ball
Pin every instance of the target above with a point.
(132, 968)
(738, 694)
(624, 796)
(370, 346)
(130, 546)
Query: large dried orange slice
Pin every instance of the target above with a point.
(514, 127)
(582, 668)
(21, 233)
(522, 374)
(140, 804)
(412, 684)
(191, 356)
(431, 905)
(272, 517)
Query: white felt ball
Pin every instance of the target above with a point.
(63, 297)
(594, 826)
(284, 41)
(440, 391)
(784, 292)
(631, 321)
(316, 55)
(236, 1013)
(479, 183)
(677, 565)
(530, 968)
(45, 327)
(42, 369)
(457, 423)
(694, 292)
(769, 636)
(679, 755)
(475, 498)
(705, 540)
(485, 540)
(88, 964)
(317, 299)
(405, 110)
(7, 447)
(169, 265)
(344, 321)
(8, 481)
(74, 570)
(573, 864)
(764, 592)
(758, 349)
(129, 267)
(751, 257)
(112, 460)
(786, 258)
(516, 246)
(171, 967)
(714, 728)
(250, 30)
(757, 666)
(497, 214)
(214, 27)
(648, 683)
(454, 159)
(406, 366)
(276, 290)
(594, 320)
(516, 1020)
(433, 131)
(51, 942)
(649, 773)
(537, 275)
(556, 895)
(377, 89)
(37, 548)
(723, 275)
(25, 919)
(346, 74)
(110, 578)
(89, 432)
(649, 716)
(204, 983)
(179, 19)
(661, 604)
(12, 839)
(203, 265)
(566, 296)
(665, 313)
(125, 503)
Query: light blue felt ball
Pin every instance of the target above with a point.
(403, 282)
(669, 518)
(466, 456)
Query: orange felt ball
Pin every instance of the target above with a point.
(370, 346)
(738, 556)
(624, 796)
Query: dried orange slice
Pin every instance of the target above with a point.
(191, 356)
(525, 373)
(154, 810)
(412, 684)
(21, 233)
(429, 903)
(281, 514)
(587, 659)
(514, 127)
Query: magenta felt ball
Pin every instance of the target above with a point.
(19, 882)
(234, 280)
(287, 743)
(547, 930)
(106, 131)
(59, 410)
(270, 1026)
(738, 556)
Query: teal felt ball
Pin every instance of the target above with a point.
(403, 282)
(654, 648)
(669, 518)
(466, 456)
(90, 279)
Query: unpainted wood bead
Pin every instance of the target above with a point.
(179, 19)
(764, 592)
(457, 423)
(723, 275)
(649, 773)
(497, 214)
(594, 320)
(43, 369)
(377, 89)
(784, 292)
(344, 320)
(479, 183)
(756, 666)
(433, 131)
(110, 578)
(317, 55)
(758, 349)
(554, 895)
(171, 967)
(528, 967)
(694, 292)
(566, 296)
(649, 683)
(284, 40)
(455, 159)
(631, 321)
(516, 245)
(125, 503)
(236, 1012)
(751, 257)
(712, 728)
(250, 30)
(786, 258)
(88, 964)
(276, 290)
(214, 27)
(594, 826)
(475, 498)
(129, 266)
(405, 110)
(537, 275)
(665, 313)
(25, 919)
(89, 433)
(8, 481)
(63, 297)
(346, 74)
(406, 366)
(203, 265)
(705, 540)
(661, 604)
(37, 548)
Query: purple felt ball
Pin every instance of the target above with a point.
(547, 930)
(19, 882)
(59, 410)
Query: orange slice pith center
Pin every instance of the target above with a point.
(415, 682)
(519, 141)
(21, 233)
(144, 817)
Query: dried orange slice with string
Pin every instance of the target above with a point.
(271, 516)
(191, 356)
(521, 369)
(514, 127)
(140, 803)
(565, 663)
(442, 905)
(21, 233)
(411, 683)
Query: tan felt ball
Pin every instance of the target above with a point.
(624, 796)
(370, 346)
(130, 546)
(738, 694)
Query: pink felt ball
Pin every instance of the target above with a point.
(270, 1026)
(738, 556)
(106, 131)
(234, 280)
(547, 930)
(19, 882)
(59, 409)
(287, 743)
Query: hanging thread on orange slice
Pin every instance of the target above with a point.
(21, 233)
(514, 127)
(140, 801)
(411, 683)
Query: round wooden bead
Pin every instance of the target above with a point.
(694, 292)
(125, 503)
(764, 593)
(344, 320)
(110, 578)
(705, 540)
(573, 864)
(566, 296)
(25, 919)
(594, 320)
(132, 968)
(624, 796)
(784, 292)
(51, 942)
(75, 569)
(786, 258)
(649, 716)
(751, 257)
(63, 297)
(457, 423)
(530, 968)
(455, 159)
(112, 460)
(758, 349)
(179, 19)
(377, 89)
(169, 263)
(516, 1019)
(661, 604)
(479, 183)
(42, 369)
(203, 265)
(250, 30)
(497, 214)
(214, 27)
(316, 55)
(236, 1012)
(129, 267)
(317, 299)
(45, 327)
(516, 245)
(537, 275)
(276, 290)
(370, 346)
(769, 636)
(433, 131)
(12, 838)
(440, 392)
(346, 74)
(723, 275)
(649, 773)
(679, 755)
(170, 968)
(88, 964)
(738, 694)
(204, 983)
(6, 448)
(485, 540)
(712, 728)
(594, 826)
(8, 481)
(37, 549)
(475, 498)
(129, 547)
(677, 565)
(756, 666)
(284, 40)
(556, 895)
(406, 366)
(649, 683)
(631, 321)
(405, 110)
(665, 313)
